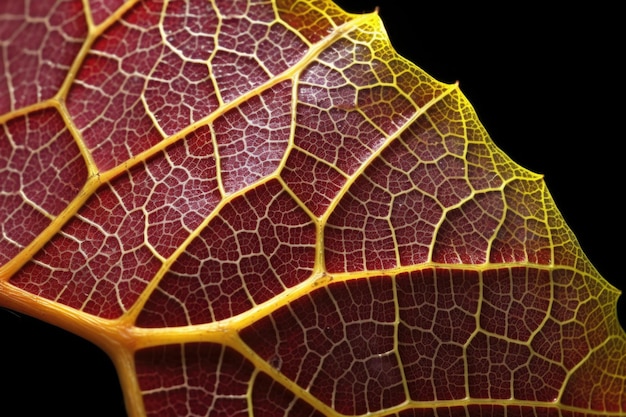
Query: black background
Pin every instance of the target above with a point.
(547, 85)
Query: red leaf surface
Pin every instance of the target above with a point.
(263, 209)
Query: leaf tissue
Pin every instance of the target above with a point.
(258, 208)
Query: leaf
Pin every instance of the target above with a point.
(102, 220)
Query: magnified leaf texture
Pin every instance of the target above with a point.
(258, 208)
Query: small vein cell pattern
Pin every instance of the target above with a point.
(33, 65)
(258, 208)
(42, 171)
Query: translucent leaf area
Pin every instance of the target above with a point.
(262, 209)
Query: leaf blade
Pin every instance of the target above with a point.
(391, 261)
